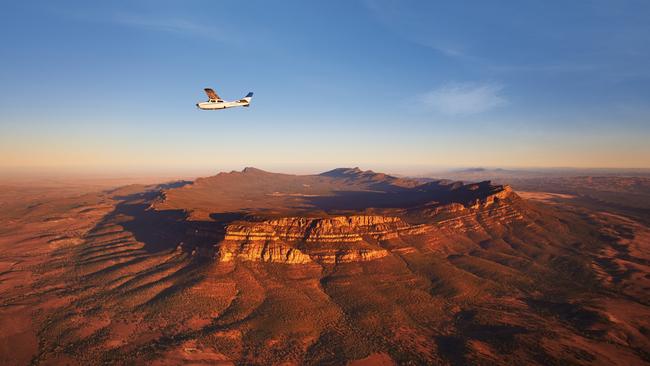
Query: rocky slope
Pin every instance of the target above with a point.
(322, 236)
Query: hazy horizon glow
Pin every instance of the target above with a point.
(378, 84)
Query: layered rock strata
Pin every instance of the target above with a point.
(341, 229)
(341, 239)
(381, 213)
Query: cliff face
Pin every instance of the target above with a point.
(299, 240)
(341, 229)
(496, 210)
(261, 251)
(381, 213)
(279, 252)
(341, 239)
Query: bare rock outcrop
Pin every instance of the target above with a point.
(258, 251)
(348, 255)
(299, 240)
(339, 229)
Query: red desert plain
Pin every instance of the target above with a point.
(345, 267)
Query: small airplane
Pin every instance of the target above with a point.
(215, 102)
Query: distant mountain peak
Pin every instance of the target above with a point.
(250, 170)
(343, 172)
(473, 170)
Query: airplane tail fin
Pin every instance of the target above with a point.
(247, 99)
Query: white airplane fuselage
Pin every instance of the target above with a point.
(210, 105)
(215, 102)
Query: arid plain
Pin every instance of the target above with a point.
(347, 266)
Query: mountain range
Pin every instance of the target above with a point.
(343, 267)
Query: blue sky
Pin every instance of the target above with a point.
(372, 83)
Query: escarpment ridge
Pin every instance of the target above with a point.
(342, 215)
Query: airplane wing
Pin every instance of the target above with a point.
(211, 94)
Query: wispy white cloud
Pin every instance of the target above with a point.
(401, 18)
(465, 98)
(447, 48)
(173, 25)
